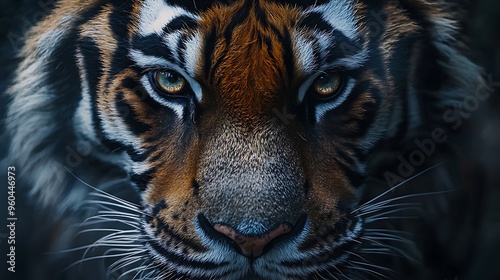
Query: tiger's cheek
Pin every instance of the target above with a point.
(329, 190)
(163, 161)
(174, 186)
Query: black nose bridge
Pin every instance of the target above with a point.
(251, 181)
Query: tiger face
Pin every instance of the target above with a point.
(245, 126)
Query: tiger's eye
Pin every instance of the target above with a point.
(170, 82)
(328, 85)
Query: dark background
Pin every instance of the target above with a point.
(480, 32)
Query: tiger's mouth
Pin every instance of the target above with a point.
(291, 255)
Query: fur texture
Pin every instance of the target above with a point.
(248, 143)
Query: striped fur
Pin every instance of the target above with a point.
(222, 151)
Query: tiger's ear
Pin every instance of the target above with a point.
(444, 76)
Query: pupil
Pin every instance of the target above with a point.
(327, 83)
(171, 78)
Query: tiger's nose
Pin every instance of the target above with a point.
(252, 246)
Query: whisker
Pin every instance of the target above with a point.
(99, 220)
(367, 221)
(364, 205)
(392, 248)
(388, 213)
(408, 196)
(379, 251)
(112, 230)
(106, 241)
(391, 238)
(340, 272)
(108, 195)
(388, 231)
(408, 206)
(86, 259)
(102, 203)
(78, 249)
(148, 267)
(123, 263)
(386, 269)
(371, 271)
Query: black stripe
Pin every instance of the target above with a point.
(301, 3)
(237, 20)
(338, 231)
(355, 178)
(314, 21)
(288, 54)
(141, 181)
(208, 50)
(197, 5)
(164, 228)
(180, 23)
(127, 112)
(93, 65)
(136, 156)
(343, 156)
(94, 68)
(142, 93)
(152, 45)
(181, 45)
(344, 47)
(159, 207)
(261, 15)
(120, 19)
(217, 63)
(137, 182)
(179, 260)
(364, 124)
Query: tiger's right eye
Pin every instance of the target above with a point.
(169, 82)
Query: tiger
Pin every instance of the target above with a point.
(240, 139)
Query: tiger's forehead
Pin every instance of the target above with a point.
(248, 49)
(313, 26)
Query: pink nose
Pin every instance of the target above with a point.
(252, 246)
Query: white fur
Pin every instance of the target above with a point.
(155, 15)
(171, 41)
(84, 124)
(340, 14)
(352, 62)
(193, 54)
(114, 128)
(304, 53)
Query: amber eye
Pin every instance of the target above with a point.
(170, 82)
(328, 85)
